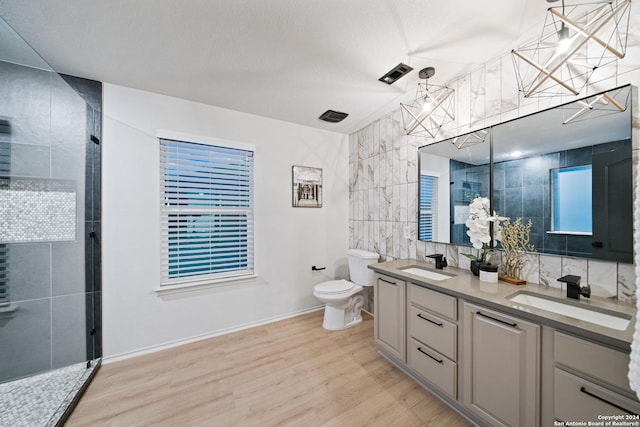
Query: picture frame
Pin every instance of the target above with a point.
(306, 187)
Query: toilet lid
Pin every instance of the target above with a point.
(334, 287)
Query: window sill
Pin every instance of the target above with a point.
(571, 233)
(205, 284)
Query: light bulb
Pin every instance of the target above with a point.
(563, 45)
(564, 41)
(426, 107)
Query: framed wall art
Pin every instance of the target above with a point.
(307, 187)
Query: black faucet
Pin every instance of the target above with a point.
(574, 290)
(441, 261)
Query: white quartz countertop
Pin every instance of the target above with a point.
(494, 295)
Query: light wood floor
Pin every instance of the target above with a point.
(290, 372)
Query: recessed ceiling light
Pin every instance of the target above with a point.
(394, 74)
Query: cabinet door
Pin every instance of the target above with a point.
(501, 367)
(390, 303)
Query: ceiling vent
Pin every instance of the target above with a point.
(333, 116)
(397, 72)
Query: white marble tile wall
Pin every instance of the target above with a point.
(384, 173)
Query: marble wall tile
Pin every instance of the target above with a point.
(376, 237)
(420, 249)
(395, 207)
(452, 255)
(395, 171)
(389, 237)
(404, 165)
(478, 97)
(397, 234)
(550, 270)
(413, 230)
(412, 203)
(627, 283)
(388, 166)
(575, 266)
(404, 203)
(382, 169)
(602, 278)
(463, 261)
(429, 248)
(531, 269)
(509, 86)
(463, 101)
(493, 88)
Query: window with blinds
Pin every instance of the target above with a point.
(206, 212)
(428, 207)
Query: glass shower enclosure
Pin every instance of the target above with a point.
(50, 290)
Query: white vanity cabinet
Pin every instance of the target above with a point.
(432, 338)
(501, 367)
(390, 308)
(590, 380)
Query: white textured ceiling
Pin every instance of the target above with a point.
(285, 59)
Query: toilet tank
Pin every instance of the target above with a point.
(358, 262)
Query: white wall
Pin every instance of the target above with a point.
(288, 240)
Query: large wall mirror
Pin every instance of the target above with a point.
(567, 169)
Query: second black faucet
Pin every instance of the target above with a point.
(441, 261)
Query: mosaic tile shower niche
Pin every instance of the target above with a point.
(24, 202)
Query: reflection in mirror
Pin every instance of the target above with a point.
(568, 170)
(452, 173)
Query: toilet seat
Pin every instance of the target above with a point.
(333, 287)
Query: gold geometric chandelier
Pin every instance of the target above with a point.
(575, 41)
(432, 108)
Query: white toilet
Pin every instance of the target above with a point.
(343, 299)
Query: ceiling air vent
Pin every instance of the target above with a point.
(333, 116)
(397, 72)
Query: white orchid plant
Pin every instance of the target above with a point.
(479, 227)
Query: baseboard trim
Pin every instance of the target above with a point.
(153, 349)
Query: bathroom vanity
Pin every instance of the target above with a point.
(504, 354)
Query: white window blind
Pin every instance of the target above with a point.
(206, 212)
(428, 207)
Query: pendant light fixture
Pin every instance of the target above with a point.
(575, 41)
(432, 108)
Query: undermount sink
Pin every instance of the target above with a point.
(427, 274)
(596, 315)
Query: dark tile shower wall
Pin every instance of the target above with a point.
(53, 285)
(467, 182)
(530, 176)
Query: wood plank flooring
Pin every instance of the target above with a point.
(288, 373)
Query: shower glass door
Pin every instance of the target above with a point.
(50, 339)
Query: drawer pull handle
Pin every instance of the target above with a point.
(429, 320)
(513, 325)
(427, 354)
(387, 281)
(595, 396)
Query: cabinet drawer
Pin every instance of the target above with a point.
(433, 367)
(434, 301)
(437, 333)
(576, 399)
(597, 361)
